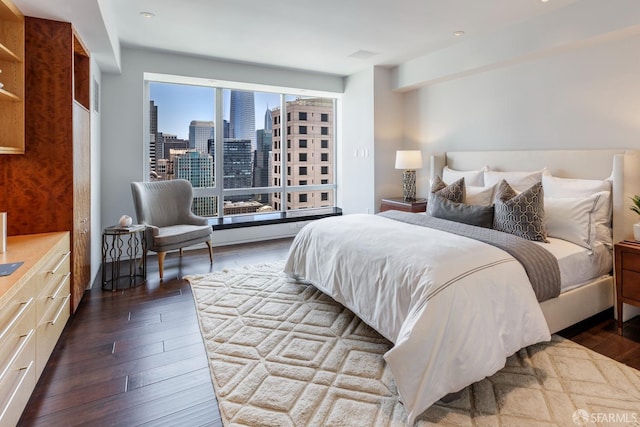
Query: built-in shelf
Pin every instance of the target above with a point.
(7, 55)
(12, 108)
(8, 96)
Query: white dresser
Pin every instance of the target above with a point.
(34, 308)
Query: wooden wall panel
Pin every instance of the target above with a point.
(38, 188)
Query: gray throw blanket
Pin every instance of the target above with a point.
(541, 266)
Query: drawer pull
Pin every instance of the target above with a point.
(62, 307)
(15, 391)
(25, 306)
(23, 344)
(64, 280)
(64, 258)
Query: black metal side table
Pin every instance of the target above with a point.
(124, 257)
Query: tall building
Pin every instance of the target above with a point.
(153, 136)
(238, 166)
(268, 120)
(199, 133)
(309, 152)
(262, 163)
(242, 116)
(197, 167)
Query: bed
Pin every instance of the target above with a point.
(456, 307)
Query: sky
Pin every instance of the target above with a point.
(178, 105)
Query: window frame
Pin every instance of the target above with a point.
(279, 126)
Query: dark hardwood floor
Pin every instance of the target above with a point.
(136, 357)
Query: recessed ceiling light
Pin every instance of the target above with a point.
(458, 33)
(544, 1)
(147, 14)
(362, 54)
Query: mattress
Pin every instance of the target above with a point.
(579, 265)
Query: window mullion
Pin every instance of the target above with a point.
(219, 153)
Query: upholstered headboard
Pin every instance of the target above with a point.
(622, 166)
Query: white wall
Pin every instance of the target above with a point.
(356, 169)
(372, 126)
(587, 97)
(388, 135)
(123, 106)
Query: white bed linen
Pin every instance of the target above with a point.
(579, 265)
(395, 277)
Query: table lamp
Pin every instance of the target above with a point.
(409, 160)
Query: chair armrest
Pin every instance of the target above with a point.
(152, 230)
(197, 220)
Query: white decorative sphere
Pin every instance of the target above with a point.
(125, 221)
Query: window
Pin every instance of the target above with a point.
(302, 198)
(324, 130)
(324, 196)
(289, 197)
(245, 152)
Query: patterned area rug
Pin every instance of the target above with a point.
(283, 354)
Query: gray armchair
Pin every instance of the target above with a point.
(165, 208)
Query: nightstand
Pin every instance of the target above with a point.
(627, 269)
(399, 204)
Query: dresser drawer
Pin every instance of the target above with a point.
(50, 327)
(18, 382)
(631, 285)
(55, 289)
(631, 261)
(51, 276)
(17, 318)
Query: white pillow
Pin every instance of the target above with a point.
(571, 219)
(475, 178)
(572, 187)
(478, 195)
(517, 180)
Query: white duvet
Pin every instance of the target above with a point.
(455, 308)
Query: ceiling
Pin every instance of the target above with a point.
(301, 34)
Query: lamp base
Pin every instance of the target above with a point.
(409, 185)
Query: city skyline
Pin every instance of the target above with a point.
(181, 104)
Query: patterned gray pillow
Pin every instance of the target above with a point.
(522, 214)
(453, 192)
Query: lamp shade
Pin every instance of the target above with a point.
(408, 159)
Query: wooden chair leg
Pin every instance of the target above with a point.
(161, 256)
(210, 251)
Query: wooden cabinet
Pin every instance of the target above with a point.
(12, 78)
(34, 308)
(49, 187)
(399, 204)
(627, 275)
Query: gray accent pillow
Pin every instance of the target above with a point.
(480, 216)
(522, 214)
(453, 192)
